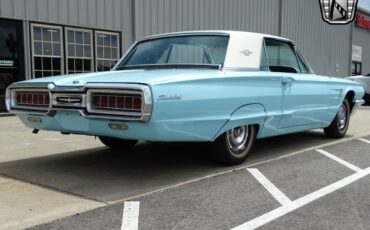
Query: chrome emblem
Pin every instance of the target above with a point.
(78, 81)
(69, 100)
(247, 52)
(338, 11)
(169, 98)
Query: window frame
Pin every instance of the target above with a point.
(33, 55)
(264, 53)
(295, 50)
(301, 58)
(92, 44)
(96, 59)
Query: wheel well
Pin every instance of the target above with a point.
(257, 128)
(350, 95)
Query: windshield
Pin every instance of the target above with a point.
(190, 50)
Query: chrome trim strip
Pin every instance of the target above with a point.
(95, 116)
(29, 85)
(187, 33)
(8, 99)
(236, 69)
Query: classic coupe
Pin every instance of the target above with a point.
(223, 87)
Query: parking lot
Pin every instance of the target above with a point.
(299, 181)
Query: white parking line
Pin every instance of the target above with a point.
(364, 140)
(130, 216)
(53, 139)
(242, 167)
(281, 211)
(337, 159)
(270, 187)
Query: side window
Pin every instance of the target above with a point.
(281, 57)
(302, 63)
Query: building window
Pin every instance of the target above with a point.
(47, 50)
(356, 68)
(107, 50)
(79, 50)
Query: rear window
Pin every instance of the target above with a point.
(195, 49)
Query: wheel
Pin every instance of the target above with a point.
(116, 143)
(339, 125)
(233, 147)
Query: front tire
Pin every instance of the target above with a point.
(233, 147)
(116, 143)
(338, 127)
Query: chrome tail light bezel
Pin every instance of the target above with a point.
(121, 89)
(85, 106)
(8, 100)
(11, 101)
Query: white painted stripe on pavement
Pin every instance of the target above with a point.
(281, 211)
(364, 140)
(130, 216)
(270, 187)
(339, 160)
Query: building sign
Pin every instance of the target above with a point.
(338, 11)
(6, 63)
(356, 53)
(362, 22)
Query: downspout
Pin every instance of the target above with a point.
(280, 18)
(133, 20)
(350, 47)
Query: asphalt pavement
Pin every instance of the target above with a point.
(299, 181)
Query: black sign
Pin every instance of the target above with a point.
(7, 63)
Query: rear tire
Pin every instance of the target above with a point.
(233, 147)
(339, 125)
(116, 143)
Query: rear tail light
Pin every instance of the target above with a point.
(116, 102)
(34, 99)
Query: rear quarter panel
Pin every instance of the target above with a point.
(208, 107)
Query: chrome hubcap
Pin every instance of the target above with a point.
(342, 117)
(237, 139)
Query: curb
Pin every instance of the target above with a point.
(6, 114)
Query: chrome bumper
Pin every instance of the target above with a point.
(357, 105)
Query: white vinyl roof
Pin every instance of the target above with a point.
(244, 49)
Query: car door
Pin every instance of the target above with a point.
(305, 95)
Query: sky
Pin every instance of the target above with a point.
(364, 4)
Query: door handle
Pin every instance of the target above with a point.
(287, 81)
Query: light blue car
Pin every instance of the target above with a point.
(224, 87)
